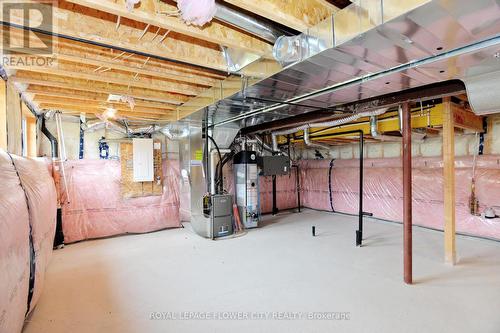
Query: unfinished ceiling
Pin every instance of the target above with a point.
(154, 61)
(372, 49)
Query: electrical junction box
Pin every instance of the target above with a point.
(275, 165)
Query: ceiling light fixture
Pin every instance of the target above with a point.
(109, 113)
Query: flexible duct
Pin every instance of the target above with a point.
(264, 145)
(332, 123)
(184, 133)
(400, 117)
(376, 135)
(317, 145)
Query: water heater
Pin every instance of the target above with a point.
(247, 187)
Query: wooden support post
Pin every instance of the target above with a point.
(3, 115)
(407, 195)
(449, 181)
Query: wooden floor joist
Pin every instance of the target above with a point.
(148, 13)
(113, 78)
(101, 29)
(100, 87)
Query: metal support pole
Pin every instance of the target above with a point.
(359, 232)
(407, 195)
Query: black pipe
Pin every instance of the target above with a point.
(53, 141)
(220, 159)
(359, 232)
(59, 236)
(275, 206)
(330, 184)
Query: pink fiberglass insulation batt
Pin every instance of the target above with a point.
(383, 190)
(14, 249)
(27, 201)
(42, 201)
(96, 208)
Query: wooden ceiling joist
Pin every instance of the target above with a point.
(149, 12)
(103, 106)
(99, 87)
(104, 58)
(78, 101)
(45, 93)
(170, 68)
(101, 30)
(127, 80)
(65, 108)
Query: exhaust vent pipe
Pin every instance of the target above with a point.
(317, 145)
(54, 146)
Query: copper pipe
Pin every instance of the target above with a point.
(407, 195)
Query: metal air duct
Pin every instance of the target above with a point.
(247, 23)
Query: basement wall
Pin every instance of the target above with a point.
(95, 207)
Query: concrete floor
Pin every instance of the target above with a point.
(114, 285)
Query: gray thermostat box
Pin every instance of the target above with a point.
(275, 165)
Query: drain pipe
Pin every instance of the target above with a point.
(213, 152)
(54, 146)
(52, 139)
